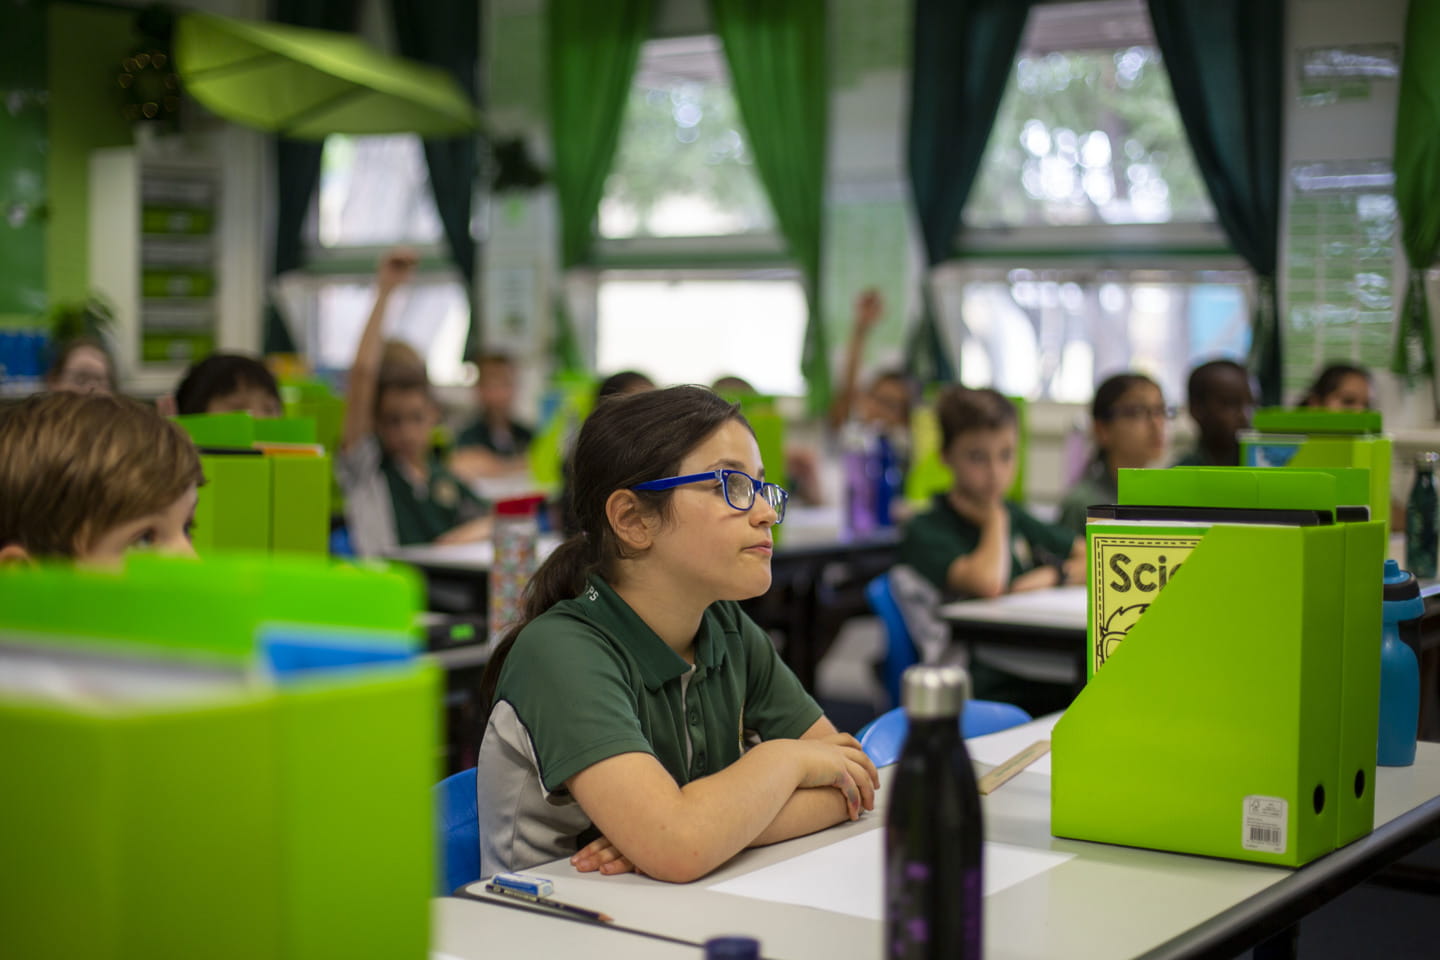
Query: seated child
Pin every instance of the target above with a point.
(397, 492)
(639, 719)
(1341, 386)
(89, 477)
(1128, 418)
(973, 543)
(494, 444)
(227, 383)
(82, 365)
(1220, 398)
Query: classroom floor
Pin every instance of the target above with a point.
(1377, 919)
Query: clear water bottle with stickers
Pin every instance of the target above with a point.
(934, 835)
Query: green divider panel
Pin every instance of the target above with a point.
(300, 504)
(234, 505)
(1315, 420)
(573, 398)
(1235, 487)
(227, 430)
(288, 429)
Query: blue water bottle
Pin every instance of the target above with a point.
(1399, 670)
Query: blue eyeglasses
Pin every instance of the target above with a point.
(739, 487)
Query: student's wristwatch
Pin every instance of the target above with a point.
(1062, 576)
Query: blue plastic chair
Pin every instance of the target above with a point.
(883, 737)
(900, 650)
(457, 821)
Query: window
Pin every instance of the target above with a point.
(695, 285)
(750, 325)
(1089, 236)
(374, 193)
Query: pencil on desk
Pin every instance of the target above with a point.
(1004, 771)
(546, 903)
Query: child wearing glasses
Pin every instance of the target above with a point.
(639, 719)
(1128, 419)
(397, 491)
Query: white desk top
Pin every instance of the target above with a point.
(1103, 902)
(1061, 608)
(463, 557)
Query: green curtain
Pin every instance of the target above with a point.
(1417, 185)
(593, 48)
(778, 70)
(963, 51)
(1225, 59)
(297, 166)
(446, 34)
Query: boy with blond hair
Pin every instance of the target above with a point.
(89, 477)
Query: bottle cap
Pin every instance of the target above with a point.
(1427, 460)
(526, 506)
(931, 692)
(732, 948)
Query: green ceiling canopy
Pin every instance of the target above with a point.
(308, 84)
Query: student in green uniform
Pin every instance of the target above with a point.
(397, 491)
(229, 382)
(640, 720)
(495, 443)
(1220, 397)
(1128, 418)
(974, 543)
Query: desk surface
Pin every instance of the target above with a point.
(1103, 902)
(1059, 608)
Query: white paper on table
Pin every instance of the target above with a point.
(996, 748)
(846, 877)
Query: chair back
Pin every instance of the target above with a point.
(457, 829)
(883, 738)
(900, 651)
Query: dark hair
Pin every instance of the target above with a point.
(627, 440)
(961, 410)
(62, 357)
(1329, 381)
(626, 381)
(1198, 384)
(497, 357)
(1102, 406)
(220, 375)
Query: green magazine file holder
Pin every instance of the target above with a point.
(1237, 717)
(280, 820)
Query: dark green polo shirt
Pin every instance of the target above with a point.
(426, 510)
(934, 539)
(589, 680)
(479, 434)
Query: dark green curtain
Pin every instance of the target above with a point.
(963, 51)
(1225, 59)
(297, 165)
(778, 70)
(1417, 185)
(593, 48)
(446, 34)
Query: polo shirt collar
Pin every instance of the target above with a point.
(658, 663)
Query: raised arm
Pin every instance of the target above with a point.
(395, 268)
(868, 308)
(679, 833)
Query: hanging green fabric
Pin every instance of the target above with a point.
(297, 167)
(446, 34)
(593, 48)
(778, 70)
(963, 52)
(1225, 59)
(1417, 184)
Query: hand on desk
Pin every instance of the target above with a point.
(477, 529)
(837, 760)
(602, 855)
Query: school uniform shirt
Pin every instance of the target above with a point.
(589, 680)
(384, 509)
(931, 541)
(1096, 485)
(512, 441)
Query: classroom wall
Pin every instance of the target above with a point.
(22, 165)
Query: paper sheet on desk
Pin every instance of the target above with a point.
(995, 748)
(845, 877)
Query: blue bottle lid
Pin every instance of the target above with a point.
(1402, 594)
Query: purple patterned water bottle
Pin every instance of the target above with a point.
(934, 836)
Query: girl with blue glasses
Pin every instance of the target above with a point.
(639, 719)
